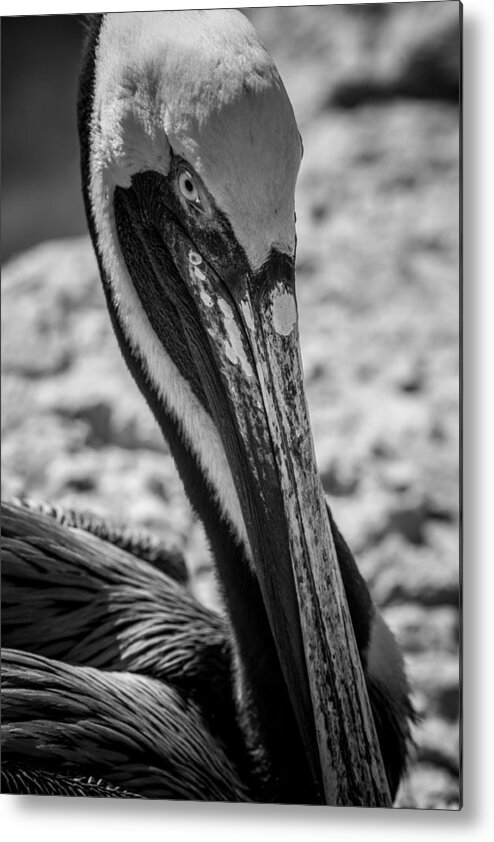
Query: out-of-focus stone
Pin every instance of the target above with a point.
(408, 519)
(436, 675)
(399, 573)
(420, 629)
(428, 787)
(407, 374)
(414, 56)
(399, 476)
(339, 478)
(438, 743)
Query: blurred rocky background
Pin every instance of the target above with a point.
(375, 89)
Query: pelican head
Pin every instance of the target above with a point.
(190, 155)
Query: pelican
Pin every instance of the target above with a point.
(117, 682)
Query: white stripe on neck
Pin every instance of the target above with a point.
(180, 401)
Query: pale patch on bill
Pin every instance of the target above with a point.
(284, 312)
(247, 314)
(234, 346)
(194, 262)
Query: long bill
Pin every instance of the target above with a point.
(253, 331)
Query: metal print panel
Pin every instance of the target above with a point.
(230, 433)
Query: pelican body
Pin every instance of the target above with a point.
(189, 158)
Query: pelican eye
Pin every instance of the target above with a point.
(188, 189)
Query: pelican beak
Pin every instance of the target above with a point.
(252, 325)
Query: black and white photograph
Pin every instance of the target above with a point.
(231, 307)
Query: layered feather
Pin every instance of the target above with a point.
(109, 640)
